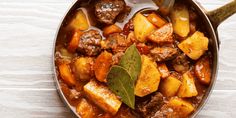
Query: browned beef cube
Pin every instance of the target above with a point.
(107, 10)
(162, 35)
(90, 43)
(164, 53)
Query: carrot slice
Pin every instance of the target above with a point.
(74, 41)
(111, 29)
(66, 75)
(156, 20)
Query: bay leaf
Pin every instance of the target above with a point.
(120, 82)
(131, 61)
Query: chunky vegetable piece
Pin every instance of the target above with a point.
(170, 86)
(66, 75)
(83, 68)
(180, 19)
(111, 29)
(156, 19)
(203, 70)
(162, 35)
(79, 22)
(73, 45)
(188, 88)
(85, 109)
(195, 45)
(102, 96)
(102, 66)
(164, 71)
(149, 78)
(142, 27)
(181, 107)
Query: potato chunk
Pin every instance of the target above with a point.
(188, 88)
(170, 86)
(102, 66)
(203, 70)
(85, 109)
(195, 45)
(163, 70)
(181, 107)
(83, 68)
(102, 96)
(180, 19)
(79, 21)
(149, 78)
(142, 27)
(66, 74)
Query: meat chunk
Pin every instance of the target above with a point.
(102, 96)
(116, 42)
(107, 10)
(90, 43)
(116, 58)
(162, 35)
(150, 107)
(203, 70)
(163, 53)
(163, 69)
(181, 63)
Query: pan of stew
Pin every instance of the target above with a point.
(126, 59)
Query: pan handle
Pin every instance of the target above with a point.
(218, 15)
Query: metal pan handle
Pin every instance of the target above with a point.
(218, 15)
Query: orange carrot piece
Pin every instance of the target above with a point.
(111, 29)
(66, 75)
(74, 41)
(156, 20)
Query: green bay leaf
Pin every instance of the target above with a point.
(131, 61)
(120, 82)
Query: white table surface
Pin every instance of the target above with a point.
(27, 30)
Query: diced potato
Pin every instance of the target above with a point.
(203, 70)
(156, 19)
(102, 66)
(180, 19)
(79, 21)
(188, 88)
(65, 54)
(83, 68)
(66, 75)
(181, 107)
(73, 45)
(163, 70)
(102, 96)
(111, 29)
(195, 45)
(142, 27)
(149, 78)
(170, 86)
(85, 109)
